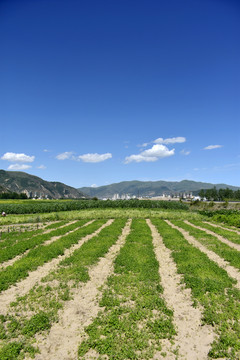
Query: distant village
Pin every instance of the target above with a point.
(187, 196)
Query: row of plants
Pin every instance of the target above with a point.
(10, 238)
(46, 207)
(229, 235)
(134, 318)
(211, 287)
(18, 328)
(228, 217)
(24, 244)
(212, 243)
(42, 254)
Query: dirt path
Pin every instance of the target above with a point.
(219, 237)
(193, 340)
(232, 272)
(66, 335)
(54, 238)
(222, 227)
(21, 288)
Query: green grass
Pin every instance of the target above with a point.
(134, 318)
(211, 287)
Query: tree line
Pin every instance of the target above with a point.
(13, 195)
(219, 195)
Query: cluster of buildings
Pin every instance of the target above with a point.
(35, 195)
(187, 196)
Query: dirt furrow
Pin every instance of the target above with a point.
(21, 288)
(60, 227)
(54, 238)
(65, 336)
(219, 237)
(222, 227)
(49, 230)
(193, 340)
(232, 272)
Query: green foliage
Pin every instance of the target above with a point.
(38, 256)
(38, 322)
(75, 267)
(135, 317)
(230, 235)
(13, 195)
(44, 301)
(33, 207)
(212, 243)
(211, 287)
(11, 351)
(229, 217)
(27, 241)
(220, 194)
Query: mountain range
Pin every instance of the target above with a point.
(17, 181)
(21, 182)
(150, 188)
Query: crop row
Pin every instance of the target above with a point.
(10, 251)
(48, 206)
(230, 235)
(211, 287)
(135, 317)
(212, 243)
(42, 254)
(8, 239)
(44, 301)
(229, 217)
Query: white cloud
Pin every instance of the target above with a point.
(65, 155)
(94, 186)
(19, 167)
(13, 157)
(41, 167)
(140, 158)
(94, 158)
(185, 152)
(210, 147)
(157, 151)
(174, 140)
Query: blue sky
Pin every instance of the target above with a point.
(96, 92)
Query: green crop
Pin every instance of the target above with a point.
(135, 316)
(211, 287)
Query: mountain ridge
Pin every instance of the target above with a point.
(21, 182)
(150, 188)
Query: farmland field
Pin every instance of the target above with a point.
(119, 284)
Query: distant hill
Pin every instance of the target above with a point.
(150, 188)
(17, 181)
